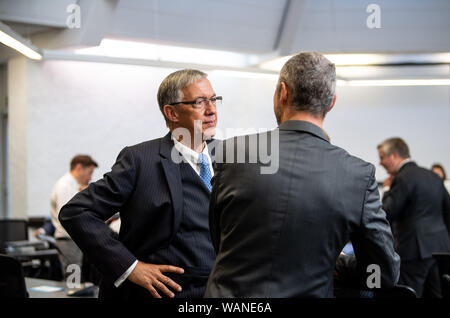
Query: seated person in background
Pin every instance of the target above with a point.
(77, 179)
(439, 170)
(46, 229)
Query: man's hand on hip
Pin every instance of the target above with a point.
(150, 276)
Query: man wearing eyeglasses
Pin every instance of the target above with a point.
(164, 247)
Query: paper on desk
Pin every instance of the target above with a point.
(46, 289)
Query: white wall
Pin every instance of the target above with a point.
(98, 108)
(18, 138)
(365, 116)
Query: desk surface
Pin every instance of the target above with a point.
(35, 282)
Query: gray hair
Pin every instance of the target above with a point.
(395, 145)
(170, 90)
(311, 79)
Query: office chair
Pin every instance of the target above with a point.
(12, 281)
(12, 230)
(443, 261)
(398, 291)
(445, 286)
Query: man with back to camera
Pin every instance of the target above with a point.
(418, 207)
(279, 234)
(164, 246)
(77, 179)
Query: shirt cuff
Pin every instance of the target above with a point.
(125, 275)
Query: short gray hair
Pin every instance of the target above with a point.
(311, 78)
(395, 145)
(170, 90)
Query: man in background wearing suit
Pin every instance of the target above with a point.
(418, 207)
(164, 246)
(279, 234)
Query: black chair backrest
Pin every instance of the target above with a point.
(13, 230)
(398, 291)
(12, 281)
(443, 261)
(445, 286)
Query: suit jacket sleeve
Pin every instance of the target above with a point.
(214, 213)
(373, 241)
(85, 214)
(446, 209)
(395, 199)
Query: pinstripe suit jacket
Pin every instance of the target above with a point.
(144, 185)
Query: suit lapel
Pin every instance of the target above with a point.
(173, 177)
(212, 144)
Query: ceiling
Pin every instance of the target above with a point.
(269, 28)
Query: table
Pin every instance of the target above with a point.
(35, 282)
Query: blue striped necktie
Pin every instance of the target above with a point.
(205, 172)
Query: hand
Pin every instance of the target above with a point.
(39, 231)
(150, 276)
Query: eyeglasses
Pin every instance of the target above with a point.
(202, 102)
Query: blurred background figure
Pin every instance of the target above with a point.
(75, 180)
(418, 207)
(47, 229)
(439, 170)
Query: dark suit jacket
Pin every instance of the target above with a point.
(418, 206)
(279, 235)
(145, 186)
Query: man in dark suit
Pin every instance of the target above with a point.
(161, 189)
(279, 232)
(418, 207)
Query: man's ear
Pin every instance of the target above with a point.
(333, 102)
(284, 93)
(171, 113)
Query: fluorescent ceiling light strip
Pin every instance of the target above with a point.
(19, 46)
(250, 75)
(366, 59)
(154, 52)
(356, 59)
(399, 82)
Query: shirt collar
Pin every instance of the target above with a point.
(188, 153)
(404, 162)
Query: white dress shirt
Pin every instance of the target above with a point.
(191, 157)
(64, 190)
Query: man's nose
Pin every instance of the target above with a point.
(210, 108)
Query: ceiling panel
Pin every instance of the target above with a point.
(406, 26)
(250, 26)
(39, 12)
(246, 25)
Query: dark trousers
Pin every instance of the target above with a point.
(421, 275)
